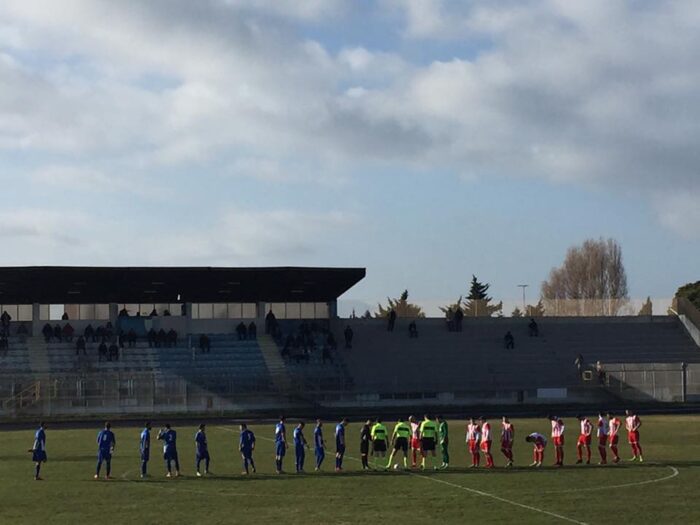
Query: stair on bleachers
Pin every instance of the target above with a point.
(276, 366)
(38, 355)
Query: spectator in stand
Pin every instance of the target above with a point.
(533, 328)
(413, 330)
(326, 355)
(100, 333)
(131, 338)
(172, 338)
(80, 345)
(450, 319)
(242, 331)
(252, 331)
(152, 337)
(109, 330)
(153, 313)
(64, 317)
(270, 322)
(68, 332)
(121, 338)
(89, 334)
(600, 372)
(509, 341)
(123, 312)
(57, 333)
(161, 339)
(348, 333)
(392, 320)
(204, 344)
(459, 316)
(166, 313)
(48, 332)
(578, 362)
(5, 319)
(113, 352)
(102, 351)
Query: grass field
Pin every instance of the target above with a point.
(662, 490)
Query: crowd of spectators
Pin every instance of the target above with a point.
(302, 343)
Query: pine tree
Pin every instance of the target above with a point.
(535, 311)
(516, 312)
(452, 307)
(366, 315)
(478, 301)
(401, 306)
(647, 308)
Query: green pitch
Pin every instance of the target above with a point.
(662, 490)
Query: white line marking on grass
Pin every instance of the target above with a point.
(474, 491)
(624, 485)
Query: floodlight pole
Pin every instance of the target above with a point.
(523, 286)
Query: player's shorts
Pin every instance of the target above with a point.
(104, 455)
(247, 453)
(602, 441)
(507, 445)
(170, 454)
(39, 456)
(380, 445)
(415, 443)
(485, 446)
(558, 441)
(428, 444)
(539, 447)
(280, 449)
(614, 440)
(339, 449)
(401, 443)
(364, 447)
(146, 455)
(584, 440)
(202, 455)
(473, 446)
(633, 436)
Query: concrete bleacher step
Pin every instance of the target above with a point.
(37, 352)
(275, 363)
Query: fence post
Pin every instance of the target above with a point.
(684, 382)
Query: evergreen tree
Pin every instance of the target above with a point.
(516, 312)
(535, 311)
(478, 301)
(366, 315)
(647, 308)
(690, 291)
(454, 307)
(401, 306)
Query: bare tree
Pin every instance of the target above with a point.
(591, 281)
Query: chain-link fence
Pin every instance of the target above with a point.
(665, 382)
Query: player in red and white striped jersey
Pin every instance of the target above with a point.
(507, 437)
(584, 440)
(632, 424)
(415, 441)
(602, 433)
(473, 439)
(558, 440)
(614, 435)
(486, 441)
(539, 442)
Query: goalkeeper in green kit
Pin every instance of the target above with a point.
(444, 442)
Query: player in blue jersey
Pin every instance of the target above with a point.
(247, 446)
(169, 438)
(106, 443)
(38, 450)
(300, 446)
(280, 444)
(202, 450)
(145, 448)
(319, 444)
(340, 444)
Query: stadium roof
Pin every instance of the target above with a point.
(87, 285)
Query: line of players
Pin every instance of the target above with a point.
(423, 438)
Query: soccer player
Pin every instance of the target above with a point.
(428, 438)
(632, 424)
(106, 442)
(399, 438)
(365, 438)
(300, 446)
(602, 433)
(614, 435)
(319, 444)
(280, 444)
(584, 440)
(486, 441)
(38, 450)
(415, 441)
(145, 448)
(202, 450)
(444, 438)
(169, 438)
(247, 446)
(340, 444)
(558, 440)
(539, 442)
(473, 438)
(379, 435)
(507, 437)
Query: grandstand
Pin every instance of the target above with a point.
(296, 356)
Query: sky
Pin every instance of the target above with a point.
(426, 140)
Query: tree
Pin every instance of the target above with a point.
(452, 307)
(478, 301)
(401, 306)
(591, 281)
(647, 308)
(536, 310)
(516, 312)
(366, 315)
(690, 291)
